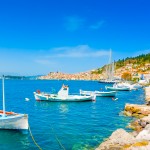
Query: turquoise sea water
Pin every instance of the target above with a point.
(78, 125)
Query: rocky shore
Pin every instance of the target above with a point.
(139, 139)
(147, 94)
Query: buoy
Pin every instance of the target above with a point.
(114, 99)
(27, 99)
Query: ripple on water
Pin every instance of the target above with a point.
(79, 126)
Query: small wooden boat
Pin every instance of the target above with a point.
(115, 88)
(107, 81)
(12, 120)
(62, 96)
(99, 93)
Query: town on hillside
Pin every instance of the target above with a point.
(127, 69)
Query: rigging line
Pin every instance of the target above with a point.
(34, 139)
(57, 139)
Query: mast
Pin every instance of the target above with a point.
(106, 69)
(3, 96)
(110, 66)
(113, 68)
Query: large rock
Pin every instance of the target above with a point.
(144, 134)
(146, 119)
(132, 108)
(115, 142)
(140, 124)
(142, 145)
(147, 93)
(137, 110)
(121, 137)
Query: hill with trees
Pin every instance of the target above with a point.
(128, 68)
(141, 63)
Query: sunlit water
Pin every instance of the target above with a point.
(78, 125)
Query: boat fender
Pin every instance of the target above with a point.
(38, 91)
(9, 113)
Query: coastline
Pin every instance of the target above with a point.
(139, 138)
(64, 76)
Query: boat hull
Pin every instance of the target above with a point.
(107, 82)
(117, 88)
(69, 98)
(106, 94)
(16, 122)
(99, 93)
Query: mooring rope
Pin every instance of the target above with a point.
(34, 139)
(54, 135)
(57, 139)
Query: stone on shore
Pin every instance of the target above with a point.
(142, 145)
(137, 110)
(147, 94)
(139, 125)
(122, 140)
(144, 134)
(117, 140)
(140, 138)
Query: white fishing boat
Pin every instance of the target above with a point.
(115, 87)
(99, 93)
(12, 120)
(107, 81)
(137, 86)
(62, 96)
(132, 86)
(126, 85)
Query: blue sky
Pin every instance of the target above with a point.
(70, 36)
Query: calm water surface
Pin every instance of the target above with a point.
(78, 125)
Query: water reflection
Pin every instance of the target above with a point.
(13, 139)
(63, 108)
(44, 104)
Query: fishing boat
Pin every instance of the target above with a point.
(12, 120)
(107, 81)
(62, 96)
(129, 85)
(99, 93)
(115, 87)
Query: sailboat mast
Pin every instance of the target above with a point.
(3, 96)
(113, 67)
(110, 69)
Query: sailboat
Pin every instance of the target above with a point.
(12, 120)
(109, 72)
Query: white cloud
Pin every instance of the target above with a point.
(97, 25)
(80, 51)
(65, 59)
(73, 23)
(44, 62)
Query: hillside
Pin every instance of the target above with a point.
(133, 65)
(136, 62)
